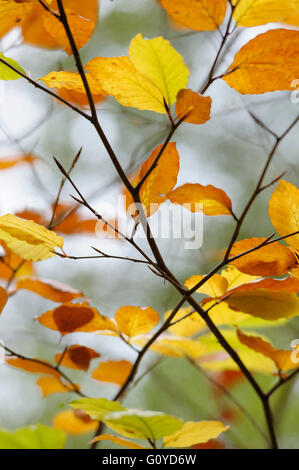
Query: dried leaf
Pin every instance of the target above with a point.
(77, 357)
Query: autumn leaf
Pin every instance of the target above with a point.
(288, 284)
(198, 198)
(112, 371)
(185, 326)
(194, 433)
(216, 286)
(27, 239)
(235, 277)
(33, 28)
(3, 298)
(258, 12)
(12, 13)
(6, 163)
(119, 441)
(33, 366)
(134, 321)
(153, 74)
(267, 63)
(282, 359)
(6, 73)
(74, 423)
(160, 181)
(10, 262)
(174, 346)
(49, 289)
(50, 385)
(76, 357)
(96, 408)
(193, 107)
(81, 28)
(284, 211)
(272, 260)
(205, 15)
(80, 317)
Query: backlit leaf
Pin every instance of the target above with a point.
(96, 408)
(198, 198)
(12, 13)
(27, 239)
(49, 289)
(257, 12)
(74, 423)
(35, 437)
(112, 371)
(77, 357)
(267, 63)
(6, 73)
(134, 321)
(216, 286)
(194, 433)
(204, 15)
(51, 384)
(195, 107)
(32, 366)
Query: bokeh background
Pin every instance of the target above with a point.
(229, 152)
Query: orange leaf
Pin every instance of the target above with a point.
(161, 180)
(194, 106)
(119, 441)
(113, 371)
(50, 385)
(204, 15)
(134, 321)
(198, 198)
(77, 357)
(3, 298)
(74, 422)
(282, 359)
(12, 13)
(49, 289)
(6, 163)
(272, 260)
(32, 366)
(70, 317)
(10, 262)
(289, 284)
(216, 286)
(82, 29)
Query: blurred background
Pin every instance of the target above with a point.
(229, 152)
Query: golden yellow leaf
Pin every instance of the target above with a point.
(160, 181)
(272, 260)
(70, 81)
(74, 422)
(204, 15)
(175, 346)
(216, 286)
(70, 317)
(198, 198)
(194, 433)
(76, 357)
(27, 239)
(153, 74)
(12, 13)
(267, 304)
(258, 12)
(35, 367)
(186, 326)
(50, 385)
(235, 277)
(134, 321)
(3, 298)
(119, 441)
(113, 371)
(195, 107)
(282, 359)
(267, 63)
(284, 211)
(9, 262)
(49, 289)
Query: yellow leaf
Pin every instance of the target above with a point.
(134, 321)
(113, 371)
(161, 64)
(174, 346)
(74, 423)
(235, 277)
(154, 73)
(216, 286)
(27, 239)
(50, 385)
(267, 304)
(282, 359)
(194, 433)
(160, 181)
(272, 260)
(195, 107)
(284, 211)
(3, 298)
(187, 326)
(12, 13)
(198, 198)
(267, 63)
(205, 15)
(82, 29)
(119, 441)
(258, 12)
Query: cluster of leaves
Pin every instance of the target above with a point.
(245, 291)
